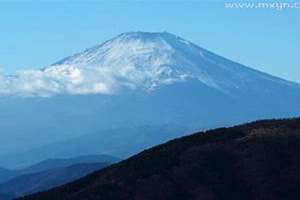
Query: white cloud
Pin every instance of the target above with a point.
(56, 80)
(69, 79)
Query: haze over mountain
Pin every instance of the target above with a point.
(137, 80)
(260, 160)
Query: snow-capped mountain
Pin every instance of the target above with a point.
(154, 83)
(149, 60)
(135, 60)
(145, 60)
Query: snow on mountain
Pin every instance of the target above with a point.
(133, 60)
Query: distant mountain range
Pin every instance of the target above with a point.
(100, 142)
(47, 179)
(48, 174)
(259, 160)
(6, 174)
(154, 84)
(65, 162)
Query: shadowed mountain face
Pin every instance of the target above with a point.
(260, 160)
(135, 81)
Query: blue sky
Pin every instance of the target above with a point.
(34, 34)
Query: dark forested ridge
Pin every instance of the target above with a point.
(259, 160)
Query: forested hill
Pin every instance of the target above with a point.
(259, 160)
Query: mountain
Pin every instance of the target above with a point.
(259, 160)
(44, 180)
(65, 162)
(48, 174)
(49, 164)
(135, 80)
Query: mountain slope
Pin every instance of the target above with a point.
(260, 160)
(44, 180)
(134, 80)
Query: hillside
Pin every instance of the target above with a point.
(259, 160)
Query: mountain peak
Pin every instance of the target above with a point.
(143, 34)
(140, 58)
(165, 37)
(152, 37)
(130, 44)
